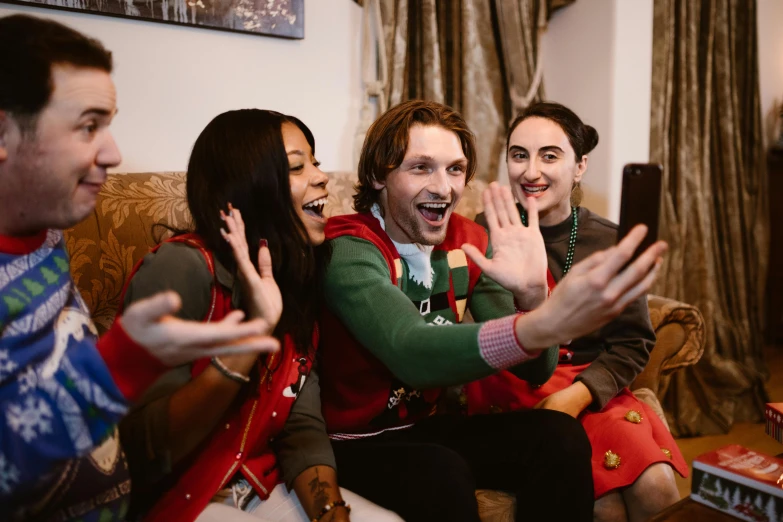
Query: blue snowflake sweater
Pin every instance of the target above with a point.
(59, 455)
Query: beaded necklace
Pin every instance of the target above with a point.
(571, 238)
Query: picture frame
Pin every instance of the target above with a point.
(280, 18)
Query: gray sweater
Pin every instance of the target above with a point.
(624, 344)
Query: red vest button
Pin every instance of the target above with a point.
(239, 455)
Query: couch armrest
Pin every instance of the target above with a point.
(679, 329)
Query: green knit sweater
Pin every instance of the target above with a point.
(396, 323)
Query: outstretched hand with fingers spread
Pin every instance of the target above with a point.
(594, 292)
(262, 293)
(150, 323)
(519, 261)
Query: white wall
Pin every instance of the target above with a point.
(631, 93)
(770, 42)
(598, 61)
(577, 54)
(173, 80)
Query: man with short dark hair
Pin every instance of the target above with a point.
(61, 398)
(403, 272)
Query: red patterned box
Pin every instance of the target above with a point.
(774, 416)
(743, 483)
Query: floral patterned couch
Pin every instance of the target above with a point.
(127, 222)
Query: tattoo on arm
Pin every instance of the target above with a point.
(319, 488)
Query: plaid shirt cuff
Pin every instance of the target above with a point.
(498, 343)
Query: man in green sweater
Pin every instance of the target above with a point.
(404, 264)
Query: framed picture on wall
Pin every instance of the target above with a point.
(283, 18)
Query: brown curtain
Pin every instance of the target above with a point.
(477, 56)
(706, 130)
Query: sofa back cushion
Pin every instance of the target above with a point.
(120, 231)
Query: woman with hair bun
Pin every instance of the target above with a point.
(634, 454)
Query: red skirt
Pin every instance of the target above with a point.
(638, 445)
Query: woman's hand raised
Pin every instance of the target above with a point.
(262, 294)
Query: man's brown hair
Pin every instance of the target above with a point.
(387, 140)
(29, 48)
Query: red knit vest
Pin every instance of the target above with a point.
(240, 442)
(355, 386)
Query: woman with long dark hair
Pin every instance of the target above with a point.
(227, 434)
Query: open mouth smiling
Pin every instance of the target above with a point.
(315, 208)
(433, 213)
(533, 191)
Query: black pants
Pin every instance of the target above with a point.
(430, 472)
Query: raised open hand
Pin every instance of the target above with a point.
(263, 296)
(519, 261)
(593, 293)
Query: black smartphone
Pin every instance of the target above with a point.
(641, 202)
